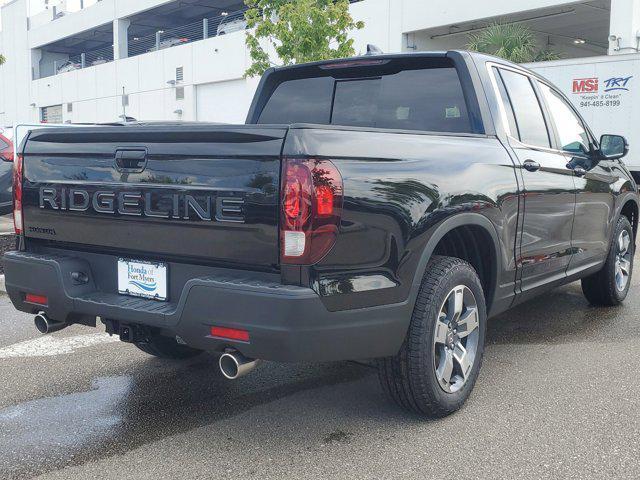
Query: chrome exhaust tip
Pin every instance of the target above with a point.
(45, 325)
(234, 365)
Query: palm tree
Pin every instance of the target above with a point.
(511, 41)
(2, 59)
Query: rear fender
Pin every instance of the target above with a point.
(446, 226)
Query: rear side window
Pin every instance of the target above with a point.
(532, 127)
(428, 99)
(506, 103)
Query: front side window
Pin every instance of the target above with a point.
(531, 125)
(572, 135)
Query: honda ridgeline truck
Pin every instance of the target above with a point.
(380, 207)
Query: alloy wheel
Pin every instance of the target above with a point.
(623, 260)
(455, 340)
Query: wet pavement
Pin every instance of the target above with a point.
(558, 396)
(6, 224)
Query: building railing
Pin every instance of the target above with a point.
(84, 60)
(167, 38)
(192, 32)
(209, 27)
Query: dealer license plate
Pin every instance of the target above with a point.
(142, 279)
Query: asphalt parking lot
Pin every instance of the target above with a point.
(6, 224)
(558, 397)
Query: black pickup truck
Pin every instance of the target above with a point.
(379, 207)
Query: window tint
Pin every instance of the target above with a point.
(506, 103)
(429, 99)
(531, 124)
(571, 132)
(356, 102)
(307, 100)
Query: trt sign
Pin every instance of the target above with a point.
(585, 85)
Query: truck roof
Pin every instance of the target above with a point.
(396, 56)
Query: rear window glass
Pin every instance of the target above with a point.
(307, 100)
(428, 99)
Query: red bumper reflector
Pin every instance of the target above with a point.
(230, 333)
(37, 299)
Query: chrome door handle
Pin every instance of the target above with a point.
(531, 165)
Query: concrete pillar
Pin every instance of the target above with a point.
(36, 56)
(624, 27)
(121, 38)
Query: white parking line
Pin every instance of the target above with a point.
(50, 346)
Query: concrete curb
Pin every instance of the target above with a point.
(3, 289)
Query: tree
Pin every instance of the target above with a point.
(511, 41)
(299, 31)
(2, 59)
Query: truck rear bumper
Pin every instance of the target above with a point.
(285, 323)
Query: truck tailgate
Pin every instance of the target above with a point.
(165, 191)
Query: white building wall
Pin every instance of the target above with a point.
(43, 31)
(422, 41)
(224, 102)
(424, 14)
(96, 92)
(625, 27)
(16, 72)
(101, 13)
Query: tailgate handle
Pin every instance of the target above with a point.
(134, 160)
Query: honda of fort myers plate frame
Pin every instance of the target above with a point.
(142, 279)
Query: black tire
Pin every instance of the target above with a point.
(167, 347)
(410, 377)
(601, 288)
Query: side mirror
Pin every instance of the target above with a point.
(613, 147)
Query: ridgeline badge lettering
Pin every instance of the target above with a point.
(157, 204)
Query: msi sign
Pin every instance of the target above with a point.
(585, 85)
